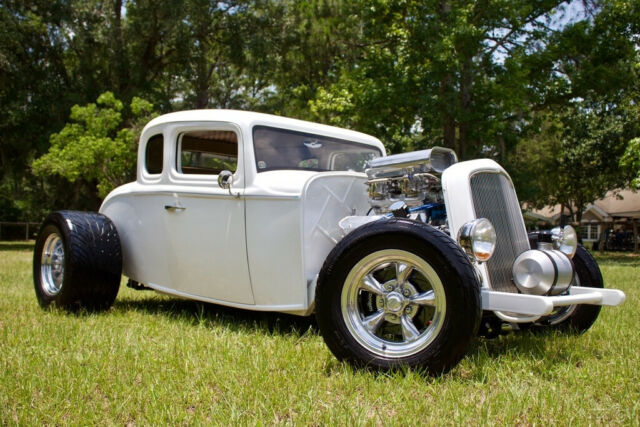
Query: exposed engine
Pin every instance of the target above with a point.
(410, 183)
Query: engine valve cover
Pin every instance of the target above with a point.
(544, 272)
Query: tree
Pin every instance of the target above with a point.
(481, 77)
(587, 113)
(441, 72)
(294, 48)
(574, 160)
(631, 160)
(97, 148)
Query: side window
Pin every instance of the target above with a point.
(207, 152)
(153, 154)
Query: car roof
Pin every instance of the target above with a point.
(249, 119)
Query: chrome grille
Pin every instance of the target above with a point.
(495, 199)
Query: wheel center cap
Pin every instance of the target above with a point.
(394, 302)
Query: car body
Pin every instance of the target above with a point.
(402, 258)
(259, 247)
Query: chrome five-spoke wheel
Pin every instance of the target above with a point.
(393, 303)
(398, 293)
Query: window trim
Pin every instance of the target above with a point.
(178, 153)
(179, 178)
(592, 232)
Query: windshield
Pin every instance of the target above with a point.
(285, 149)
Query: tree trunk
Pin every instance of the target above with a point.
(122, 70)
(446, 89)
(466, 82)
(202, 82)
(448, 121)
(602, 238)
(202, 97)
(578, 212)
(503, 148)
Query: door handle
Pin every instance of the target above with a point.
(175, 207)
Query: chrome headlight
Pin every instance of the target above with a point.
(478, 239)
(565, 240)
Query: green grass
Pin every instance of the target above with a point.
(156, 360)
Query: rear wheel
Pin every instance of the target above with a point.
(77, 261)
(398, 293)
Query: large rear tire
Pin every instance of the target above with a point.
(398, 293)
(77, 262)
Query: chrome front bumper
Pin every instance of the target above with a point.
(537, 306)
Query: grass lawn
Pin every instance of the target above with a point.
(157, 360)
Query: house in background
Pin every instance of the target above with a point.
(610, 223)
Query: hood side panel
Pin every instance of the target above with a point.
(328, 198)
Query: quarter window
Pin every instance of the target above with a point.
(153, 154)
(207, 152)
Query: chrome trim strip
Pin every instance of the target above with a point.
(270, 197)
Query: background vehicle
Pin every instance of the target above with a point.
(401, 258)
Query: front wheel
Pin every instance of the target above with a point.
(398, 293)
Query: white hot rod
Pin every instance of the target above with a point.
(402, 258)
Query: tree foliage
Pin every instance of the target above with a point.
(631, 160)
(574, 159)
(540, 86)
(96, 146)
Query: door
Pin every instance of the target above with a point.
(205, 224)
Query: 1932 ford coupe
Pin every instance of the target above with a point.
(402, 258)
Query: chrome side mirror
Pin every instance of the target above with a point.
(225, 178)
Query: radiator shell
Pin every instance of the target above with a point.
(483, 189)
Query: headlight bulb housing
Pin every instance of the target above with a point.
(478, 239)
(565, 240)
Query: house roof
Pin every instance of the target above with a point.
(616, 204)
(547, 213)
